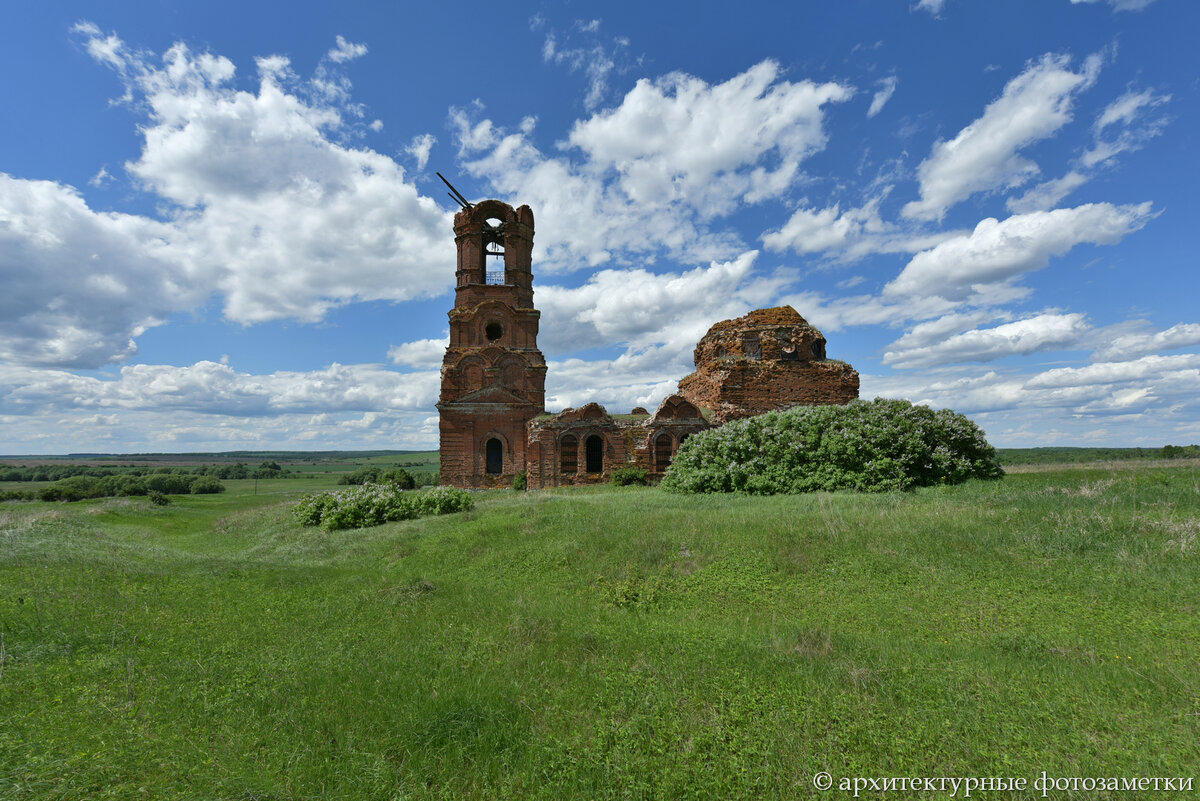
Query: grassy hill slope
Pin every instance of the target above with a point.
(602, 644)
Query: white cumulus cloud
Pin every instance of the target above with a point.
(1022, 337)
(1133, 345)
(651, 175)
(985, 155)
(425, 353)
(217, 389)
(262, 203)
(80, 285)
(997, 252)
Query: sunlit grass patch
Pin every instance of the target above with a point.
(601, 643)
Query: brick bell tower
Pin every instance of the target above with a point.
(493, 375)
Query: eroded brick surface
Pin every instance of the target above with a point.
(769, 359)
(493, 375)
(492, 405)
(558, 451)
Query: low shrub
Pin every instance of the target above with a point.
(158, 498)
(169, 483)
(75, 488)
(520, 481)
(121, 486)
(624, 476)
(870, 446)
(83, 487)
(398, 477)
(442, 501)
(374, 504)
(367, 475)
(206, 485)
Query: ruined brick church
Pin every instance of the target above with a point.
(494, 423)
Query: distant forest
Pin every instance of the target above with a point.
(267, 464)
(1016, 456)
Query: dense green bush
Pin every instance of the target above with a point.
(870, 446)
(374, 504)
(520, 481)
(83, 487)
(206, 485)
(367, 475)
(75, 488)
(169, 483)
(624, 476)
(399, 477)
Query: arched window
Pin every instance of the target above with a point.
(594, 447)
(662, 451)
(495, 456)
(568, 454)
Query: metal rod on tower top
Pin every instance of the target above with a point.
(466, 204)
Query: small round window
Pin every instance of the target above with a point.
(493, 331)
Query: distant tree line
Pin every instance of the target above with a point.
(1055, 455)
(82, 487)
(57, 472)
(397, 476)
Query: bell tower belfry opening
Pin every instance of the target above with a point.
(493, 375)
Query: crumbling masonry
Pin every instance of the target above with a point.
(492, 405)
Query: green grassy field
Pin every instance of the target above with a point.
(602, 643)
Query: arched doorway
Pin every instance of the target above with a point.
(594, 447)
(495, 456)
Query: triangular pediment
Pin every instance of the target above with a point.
(491, 394)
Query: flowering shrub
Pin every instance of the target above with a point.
(373, 504)
(870, 446)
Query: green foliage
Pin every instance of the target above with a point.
(1072, 455)
(442, 501)
(873, 446)
(374, 504)
(158, 498)
(398, 477)
(520, 481)
(169, 483)
(599, 643)
(121, 486)
(1180, 452)
(624, 476)
(207, 485)
(163, 481)
(268, 470)
(75, 488)
(367, 475)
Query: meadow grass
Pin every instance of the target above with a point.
(602, 643)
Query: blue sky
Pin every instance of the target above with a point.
(220, 226)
